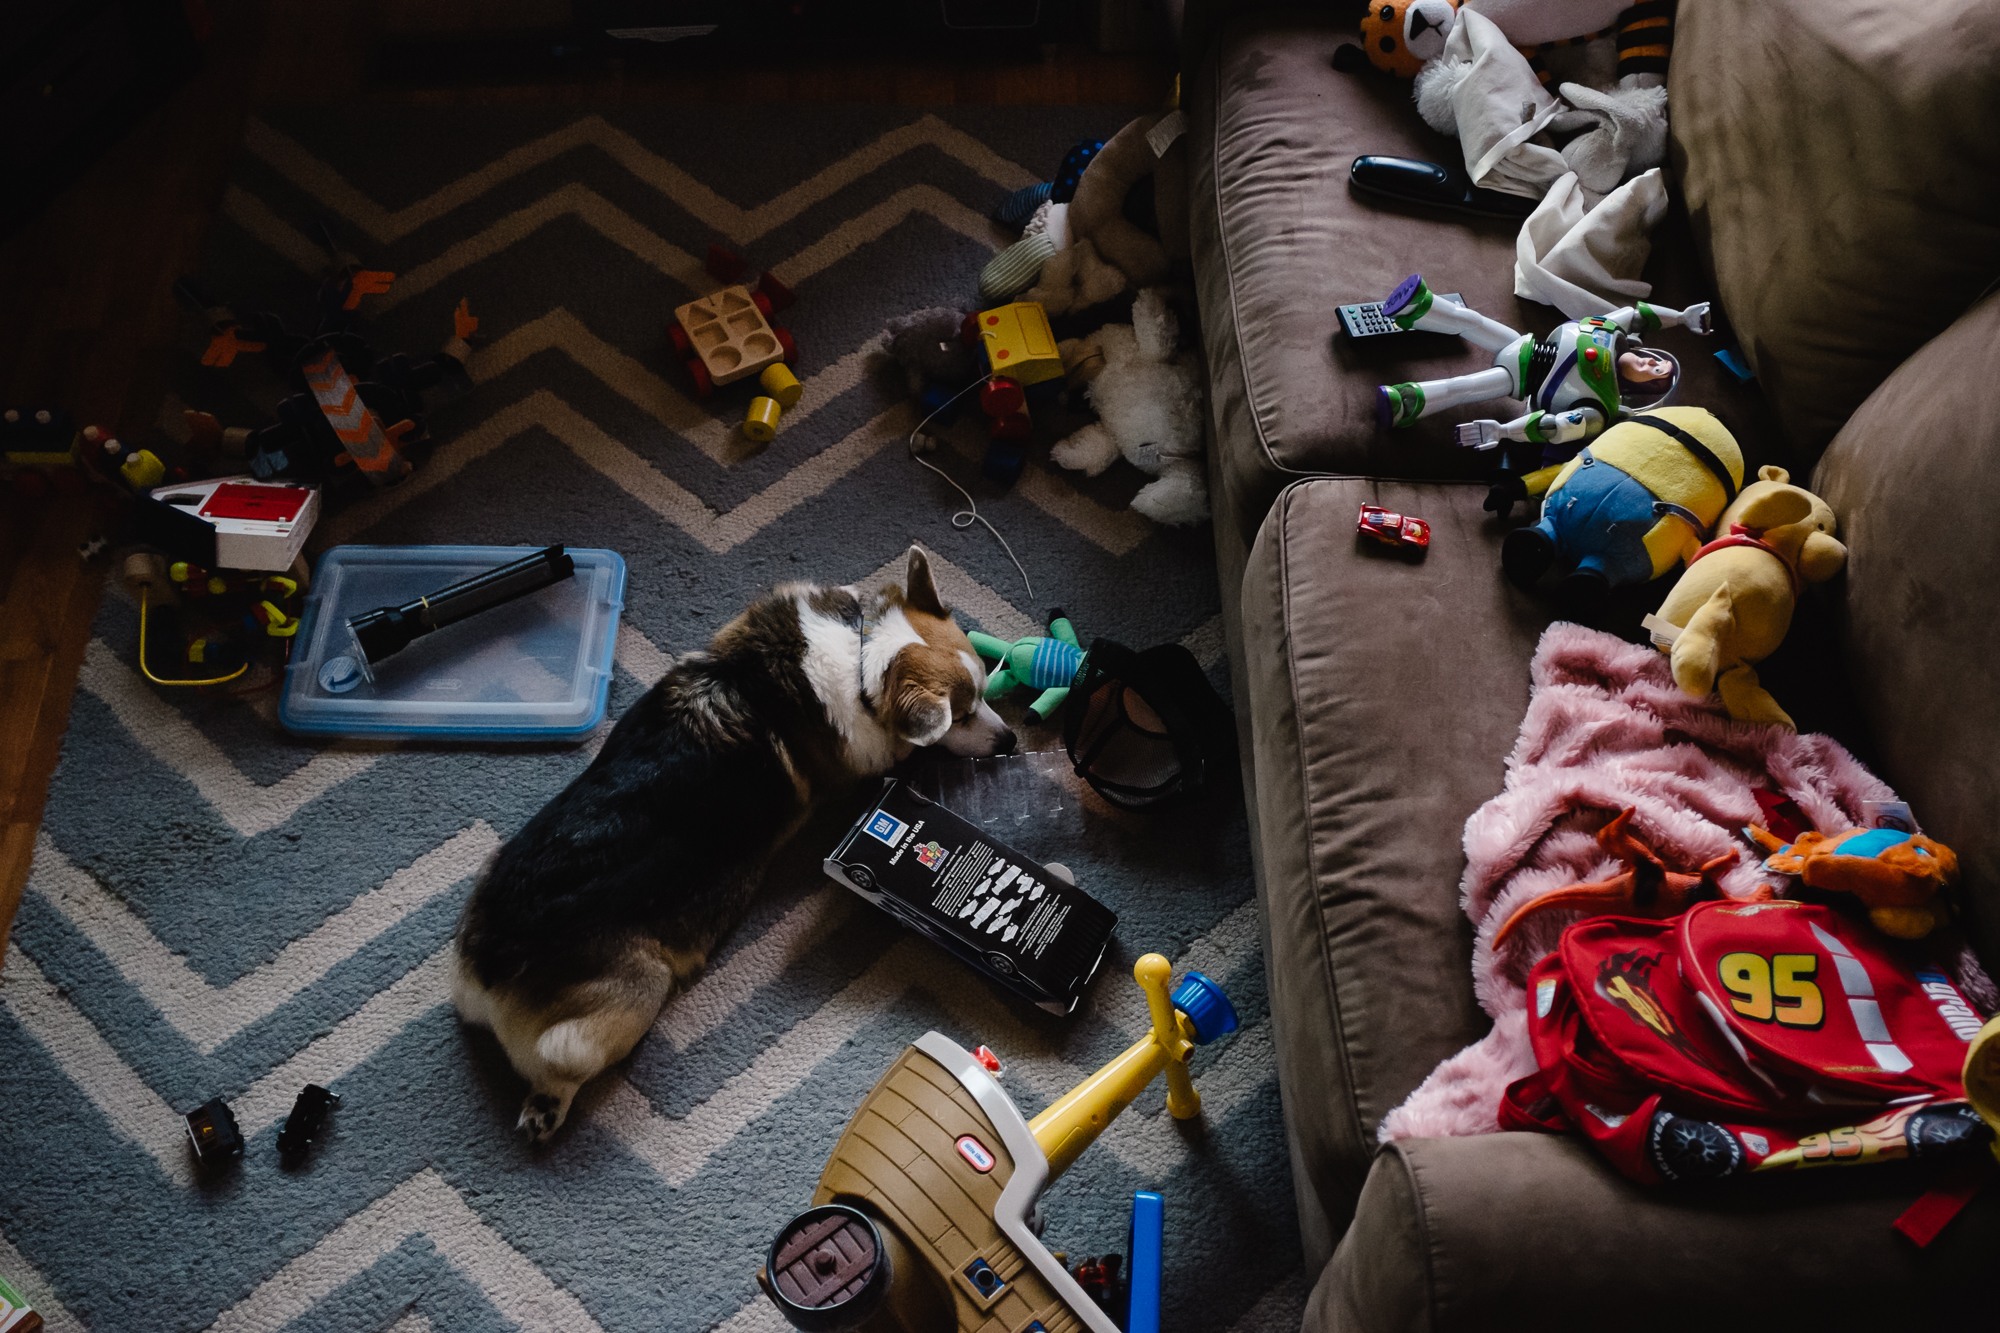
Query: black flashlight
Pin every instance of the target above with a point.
(389, 629)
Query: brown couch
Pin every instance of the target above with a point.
(1838, 185)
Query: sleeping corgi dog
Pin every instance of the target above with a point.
(611, 898)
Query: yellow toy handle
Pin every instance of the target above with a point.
(1982, 1077)
(1073, 1121)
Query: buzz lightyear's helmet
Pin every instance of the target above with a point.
(1653, 393)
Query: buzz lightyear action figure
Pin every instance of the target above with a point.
(1575, 382)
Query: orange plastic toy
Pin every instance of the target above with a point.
(1895, 874)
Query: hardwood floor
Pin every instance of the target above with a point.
(88, 282)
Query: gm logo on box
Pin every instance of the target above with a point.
(885, 827)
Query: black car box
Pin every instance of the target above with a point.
(1014, 919)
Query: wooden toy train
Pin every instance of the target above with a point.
(927, 1217)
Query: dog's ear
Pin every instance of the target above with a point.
(918, 590)
(919, 693)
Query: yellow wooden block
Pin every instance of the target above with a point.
(730, 335)
(1019, 343)
(781, 384)
(760, 423)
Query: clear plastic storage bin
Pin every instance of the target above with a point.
(538, 668)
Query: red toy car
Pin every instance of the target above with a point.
(1393, 529)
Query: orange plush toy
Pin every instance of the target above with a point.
(1894, 874)
(1647, 888)
(1383, 39)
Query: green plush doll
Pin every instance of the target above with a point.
(1045, 664)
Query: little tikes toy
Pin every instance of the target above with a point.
(1733, 603)
(1393, 529)
(1895, 873)
(925, 1218)
(1646, 888)
(1045, 664)
(1586, 375)
(1640, 499)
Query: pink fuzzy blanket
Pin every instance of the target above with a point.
(1607, 728)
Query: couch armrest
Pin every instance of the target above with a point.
(1840, 166)
(1914, 478)
(1535, 1232)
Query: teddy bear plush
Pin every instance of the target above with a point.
(1091, 249)
(1148, 401)
(925, 343)
(1733, 603)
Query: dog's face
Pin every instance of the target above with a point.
(932, 690)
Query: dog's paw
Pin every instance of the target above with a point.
(541, 1115)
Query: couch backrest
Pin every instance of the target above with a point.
(1841, 164)
(1914, 477)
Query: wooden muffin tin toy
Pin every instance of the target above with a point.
(727, 336)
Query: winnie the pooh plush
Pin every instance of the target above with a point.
(1734, 601)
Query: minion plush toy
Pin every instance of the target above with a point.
(1640, 499)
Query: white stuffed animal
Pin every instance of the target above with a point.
(1618, 115)
(1148, 402)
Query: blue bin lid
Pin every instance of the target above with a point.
(537, 668)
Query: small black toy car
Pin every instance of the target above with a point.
(212, 1130)
(303, 1125)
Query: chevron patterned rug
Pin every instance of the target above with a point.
(217, 909)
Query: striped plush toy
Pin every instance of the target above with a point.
(1047, 665)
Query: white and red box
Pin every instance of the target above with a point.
(257, 524)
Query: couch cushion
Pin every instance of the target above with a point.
(1839, 162)
(1387, 693)
(1534, 1232)
(1280, 241)
(1914, 478)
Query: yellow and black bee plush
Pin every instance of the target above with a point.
(1382, 41)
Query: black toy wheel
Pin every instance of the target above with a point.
(863, 877)
(1937, 1130)
(1685, 1149)
(827, 1270)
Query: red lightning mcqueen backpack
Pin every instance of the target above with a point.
(1743, 1037)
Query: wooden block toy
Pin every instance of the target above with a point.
(1019, 343)
(781, 391)
(728, 334)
